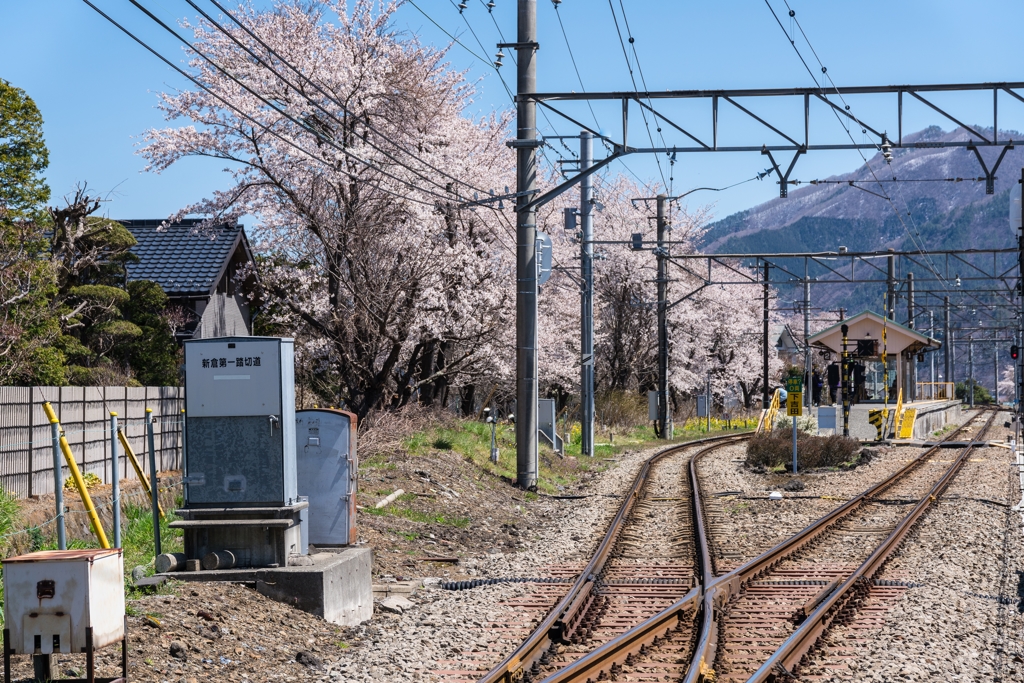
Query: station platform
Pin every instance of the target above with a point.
(928, 417)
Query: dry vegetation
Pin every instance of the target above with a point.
(774, 450)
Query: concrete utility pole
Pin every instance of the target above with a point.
(663, 425)
(912, 365)
(970, 368)
(947, 343)
(526, 247)
(587, 298)
(766, 398)
(890, 290)
(808, 369)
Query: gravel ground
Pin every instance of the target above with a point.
(754, 615)
(961, 618)
(253, 638)
(744, 523)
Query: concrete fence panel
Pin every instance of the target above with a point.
(26, 446)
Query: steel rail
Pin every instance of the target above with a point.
(807, 634)
(616, 650)
(722, 588)
(717, 590)
(562, 620)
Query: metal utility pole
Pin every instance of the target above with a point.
(663, 425)
(995, 373)
(970, 368)
(708, 402)
(947, 343)
(766, 398)
(526, 247)
(890, 290)
(808, 369)
(912, 365)
(846, 384)
(1020, 320)
(931, 356)
(587, 298)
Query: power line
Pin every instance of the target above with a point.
(233, 108)
(583, 88)
(846, 128)
(632, 78)
(319, 89)
(301, 124)
(576, 68)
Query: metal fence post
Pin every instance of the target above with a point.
(184, 459)
(58, 482)
(115, 481)
(154, 481)
(31, 444)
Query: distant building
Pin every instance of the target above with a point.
(197, 271)
(789, 350)
(870, 338)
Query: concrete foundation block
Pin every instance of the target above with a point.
(337, 587)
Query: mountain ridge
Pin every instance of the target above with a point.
(950, 214)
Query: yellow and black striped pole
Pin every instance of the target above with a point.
(846, 384)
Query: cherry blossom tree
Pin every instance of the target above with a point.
(352, 145)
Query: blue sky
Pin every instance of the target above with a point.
(97, 89)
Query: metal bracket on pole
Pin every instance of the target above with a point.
(783, 178)
(990, 176)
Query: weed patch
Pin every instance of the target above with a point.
(773, 451)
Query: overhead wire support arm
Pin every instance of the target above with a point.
(568, 184)
(990, 176)
(784, 178)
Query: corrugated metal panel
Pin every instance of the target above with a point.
(26, 447)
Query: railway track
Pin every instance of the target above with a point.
(758, 621)
(651, 558)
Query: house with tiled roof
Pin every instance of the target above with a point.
(199, 272)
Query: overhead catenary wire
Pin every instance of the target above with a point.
(297, 71)
(825, 74)
(636, 89)
(583, 88)
(846, 128)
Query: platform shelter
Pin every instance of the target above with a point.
(882, 356)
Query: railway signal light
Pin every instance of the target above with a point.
(1014, 352)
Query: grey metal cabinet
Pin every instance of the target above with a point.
(327, 468)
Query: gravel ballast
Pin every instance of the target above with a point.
(960, 617)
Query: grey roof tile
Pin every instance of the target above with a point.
(178, 259)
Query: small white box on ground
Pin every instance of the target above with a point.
(53, 597)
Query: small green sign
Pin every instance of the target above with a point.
(794, 384)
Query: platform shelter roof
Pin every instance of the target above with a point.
(868, 325)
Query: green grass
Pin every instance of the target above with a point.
(136, 539)
(471, 439)
(138, 543)
(419, 516)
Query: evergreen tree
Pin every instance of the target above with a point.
(27, 282)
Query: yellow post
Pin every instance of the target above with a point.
(135, 463)
(79, 482)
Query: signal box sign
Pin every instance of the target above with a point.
(794, 404)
